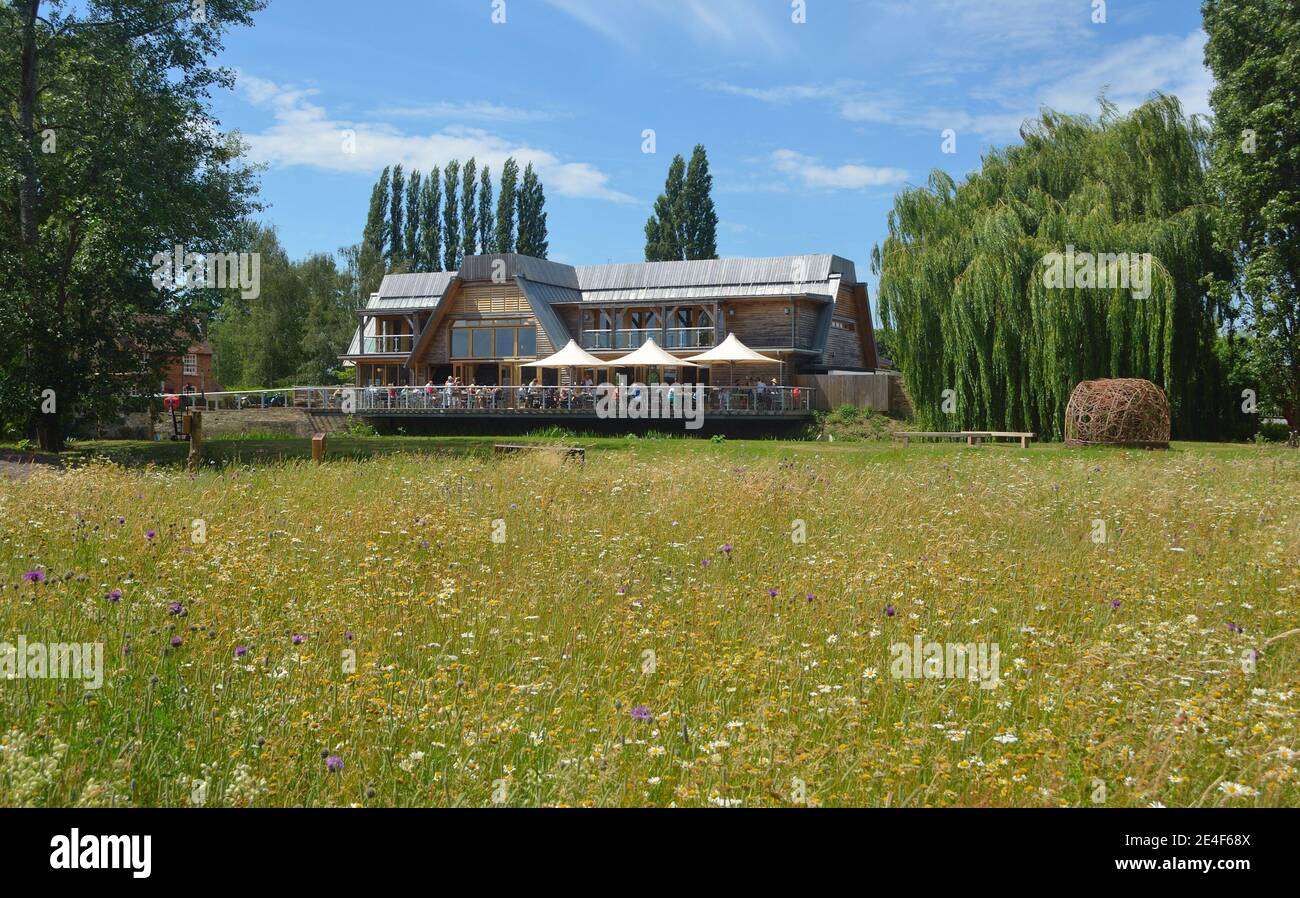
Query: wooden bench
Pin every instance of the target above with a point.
(1024, 438)
(568, 451)
(973, 437)
(908, 436)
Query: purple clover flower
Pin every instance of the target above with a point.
(36, 576)
(890, 611)
(333, 763)
(641, 712)
(114, 596)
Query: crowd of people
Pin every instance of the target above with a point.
(745, 394)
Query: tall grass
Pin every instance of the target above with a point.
(610, 651)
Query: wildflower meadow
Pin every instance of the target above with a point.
(686, 624)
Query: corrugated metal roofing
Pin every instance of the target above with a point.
(667, 294)
(546, 316)
(423, 284)
(629, 282)
(713, 273)
(550, 293)
(403, 303)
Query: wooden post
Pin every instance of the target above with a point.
(193, 424)
(318, 448)
(1024, 442)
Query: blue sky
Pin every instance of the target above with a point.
(811, 127)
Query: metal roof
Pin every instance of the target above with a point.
(771, 270)
(411, 291)
(546, 316)
(555, 282)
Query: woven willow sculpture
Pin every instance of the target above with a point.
(1120, 412)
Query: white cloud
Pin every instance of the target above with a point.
(995, 107)
(1133, 70)
(304, 134)
(810, 171)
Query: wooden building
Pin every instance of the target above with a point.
(481, 323)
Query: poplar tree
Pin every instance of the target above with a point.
(665, 231)
(507, 201)
(700, 227)
(451, 216)
(468, 219)
(396, 234)
(485, 234)
(413, 254)
(370, 260)
(532, 216)
(431, 222)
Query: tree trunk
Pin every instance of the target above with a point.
(28, 183)
(49, 433)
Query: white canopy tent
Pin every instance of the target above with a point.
(650, 355)
(571, 356)
(733, 352)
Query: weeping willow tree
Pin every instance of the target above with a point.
(1009, 288)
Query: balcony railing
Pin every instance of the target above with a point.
(325, 397)
(391, 343)
(522, 399)
(633, 338)
(525, 399)
(689, 338)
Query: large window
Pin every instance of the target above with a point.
(190, 364)
(459, 343)
(505, 347)
(493, 339)
(527, 347)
